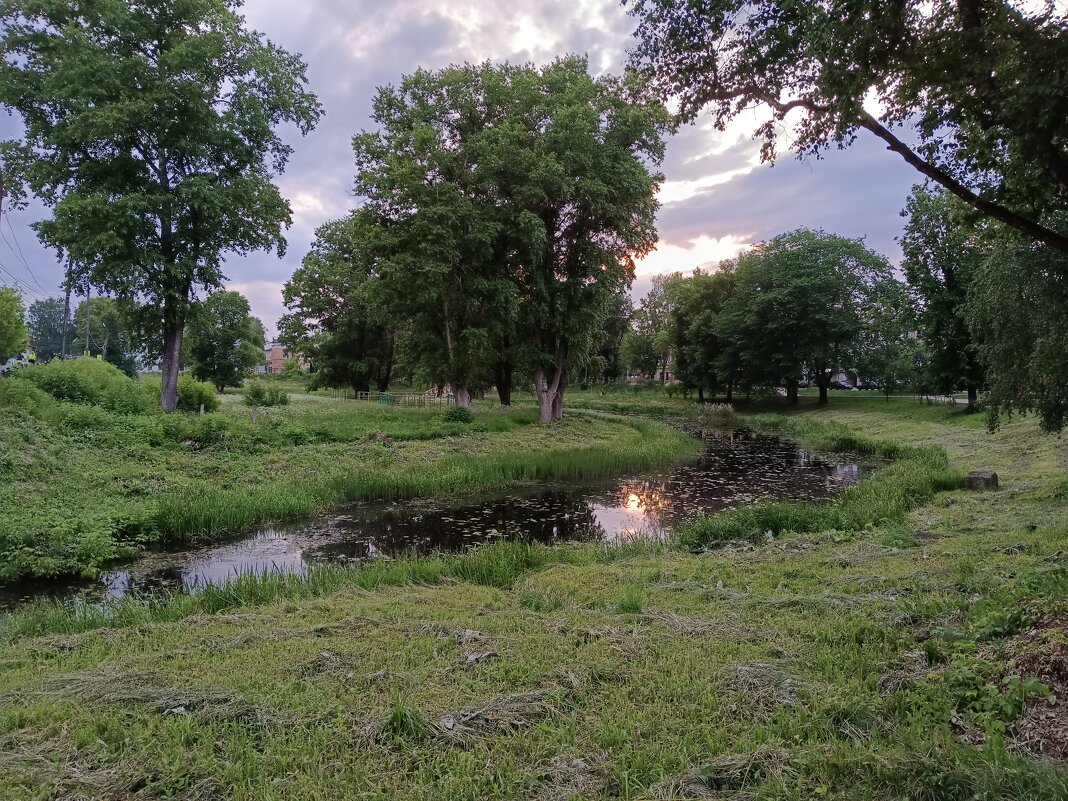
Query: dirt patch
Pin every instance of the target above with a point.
(1042, 652)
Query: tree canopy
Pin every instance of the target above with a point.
(796, 309)
(45, 323)
(224, 340)
(149, 189)
(334, 320)
(12, 326)
(101, 328)
(508, 205)
(943, 249)
(966, 91)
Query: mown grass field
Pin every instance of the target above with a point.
(843, 663)
(82, 484)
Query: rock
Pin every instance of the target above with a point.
(981, 479)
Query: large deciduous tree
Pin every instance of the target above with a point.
(696, 301)
(424, 176)
(335, 319)
(579, 172)
(943, 246)
(972, 93)
(12, 326)
(796, 308)
(224, 341)
(150, 130)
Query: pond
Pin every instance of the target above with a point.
(734, 468)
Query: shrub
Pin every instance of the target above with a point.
(458, 414)
(17, 393)
(90, 382)
(192, 394)
(257, 393)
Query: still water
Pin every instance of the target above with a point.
(735, 468)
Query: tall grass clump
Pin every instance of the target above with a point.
(197, 512)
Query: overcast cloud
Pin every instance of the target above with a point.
(717, 198)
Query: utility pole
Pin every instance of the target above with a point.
(88, 291)
(66, 316)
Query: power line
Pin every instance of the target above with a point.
(21, 255)
(22, 284)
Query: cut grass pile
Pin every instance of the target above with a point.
(833, 664)
(84, 482)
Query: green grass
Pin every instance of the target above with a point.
(841, 663)
(82, 484)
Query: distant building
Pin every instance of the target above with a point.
(275, 358)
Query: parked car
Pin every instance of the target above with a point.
(841, 385)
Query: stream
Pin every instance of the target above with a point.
(734, 468)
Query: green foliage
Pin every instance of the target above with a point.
(333, 319)
(991, 127)
(796, 307)
(696, 300)
(223, 341)
(44, 321)
(12, 327)
(1018, 313)
(259, 393)
(149, 191)
(193, 394)
(458, 414)
(943, 250)
(101, 328)
(90, 381)
(508, 206)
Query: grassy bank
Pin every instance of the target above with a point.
(94, 479)
(836, 663)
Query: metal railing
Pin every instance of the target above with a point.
(421, 399)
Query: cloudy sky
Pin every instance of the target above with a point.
(717, 198)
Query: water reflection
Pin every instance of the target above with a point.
(735, 468)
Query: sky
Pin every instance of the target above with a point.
(716, 200)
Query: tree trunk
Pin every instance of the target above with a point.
(791, 391)
(172, 349)
(504, 381)
(700, 394)
(823, 393)
(730, 391)
(973, 396)
(462, 395)
(546, 393)
(558, 399)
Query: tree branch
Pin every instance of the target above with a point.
(941, 177)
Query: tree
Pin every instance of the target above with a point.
(102, 329)
(224, 341)
(426, 176)
(696, 301)
(640, 353)
(651, 344)
(1018, 314)
(150, 132)
(580, 172)
(12, 327)
(887, 349)
(45, 321)
(796, 308)
(943, 249)
(991, 128)
(334, 319)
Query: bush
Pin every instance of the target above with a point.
(192, 394)
(257, 393)
(90, 382)
(17, 393)
(459, 414)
